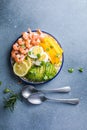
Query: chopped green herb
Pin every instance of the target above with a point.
(51, 46)
(0, 83)
(80, 69)
(70, 70)
(45, 77)
(23, 46)
(26, 58)
(42, 63)
(47, 49)
(38, 56)
(7, 90)
(29, 53)
(10, 102)
(57, 55)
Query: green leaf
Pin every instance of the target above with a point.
(47, 49)
(29, 53)
(51, 46)
(80, 69)
(6, 90)
(70, 70)
(10, 102)
(38, 55)
(0, 83)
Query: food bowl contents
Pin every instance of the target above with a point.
(36, 56)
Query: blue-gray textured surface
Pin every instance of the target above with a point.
(67, 21)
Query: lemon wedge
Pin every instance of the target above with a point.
(21, 69)
(29, 62)
(35, 51)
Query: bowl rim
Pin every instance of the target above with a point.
(43, 82)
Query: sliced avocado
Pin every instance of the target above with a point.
(40, 73)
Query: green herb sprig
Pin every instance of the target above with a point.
(9, 103)
(70, 70)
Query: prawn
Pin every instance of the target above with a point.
(16, 47)
(28, 45)
(20, 41)
(25, 35)
(14, 53)
(19, 58)
(30, 33)
(39, 31)
(34, 42)
(23, 50)
(41, 35)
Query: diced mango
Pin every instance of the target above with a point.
(52, 48)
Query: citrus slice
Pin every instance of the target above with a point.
(29, 62)
(35, 52)
(20, 69)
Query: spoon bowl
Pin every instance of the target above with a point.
(39, 98)
(29, 89)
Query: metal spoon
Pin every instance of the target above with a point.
(29, 89)
(39, 98)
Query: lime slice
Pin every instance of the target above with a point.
(20, 69)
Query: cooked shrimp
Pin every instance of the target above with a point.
(41, 34)
(28, 45)
(23, 50)
(30, 33)
(19, 57)
(20, 41)
(33, 42)
(25, 35)
(16, 47)
(14, 53)
(29, 30)
(39, 31)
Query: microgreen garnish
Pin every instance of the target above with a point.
(42, 63)
(0, 83)
(57, 55)
(47, 49)
(38, 55)
(26, 58)
(7, 90)
(45, 77)
(70, 70)
(23, 46)
(29, 52)
(51, 46)
(80, 69)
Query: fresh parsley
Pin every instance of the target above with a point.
(38, 55)
(10, 101)
(70, 70)
(51, 46)
(29, 53)
(80, 69)
(47, 49)
(7, 90)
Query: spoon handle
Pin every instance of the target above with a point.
(59, 90)
(72, 101)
